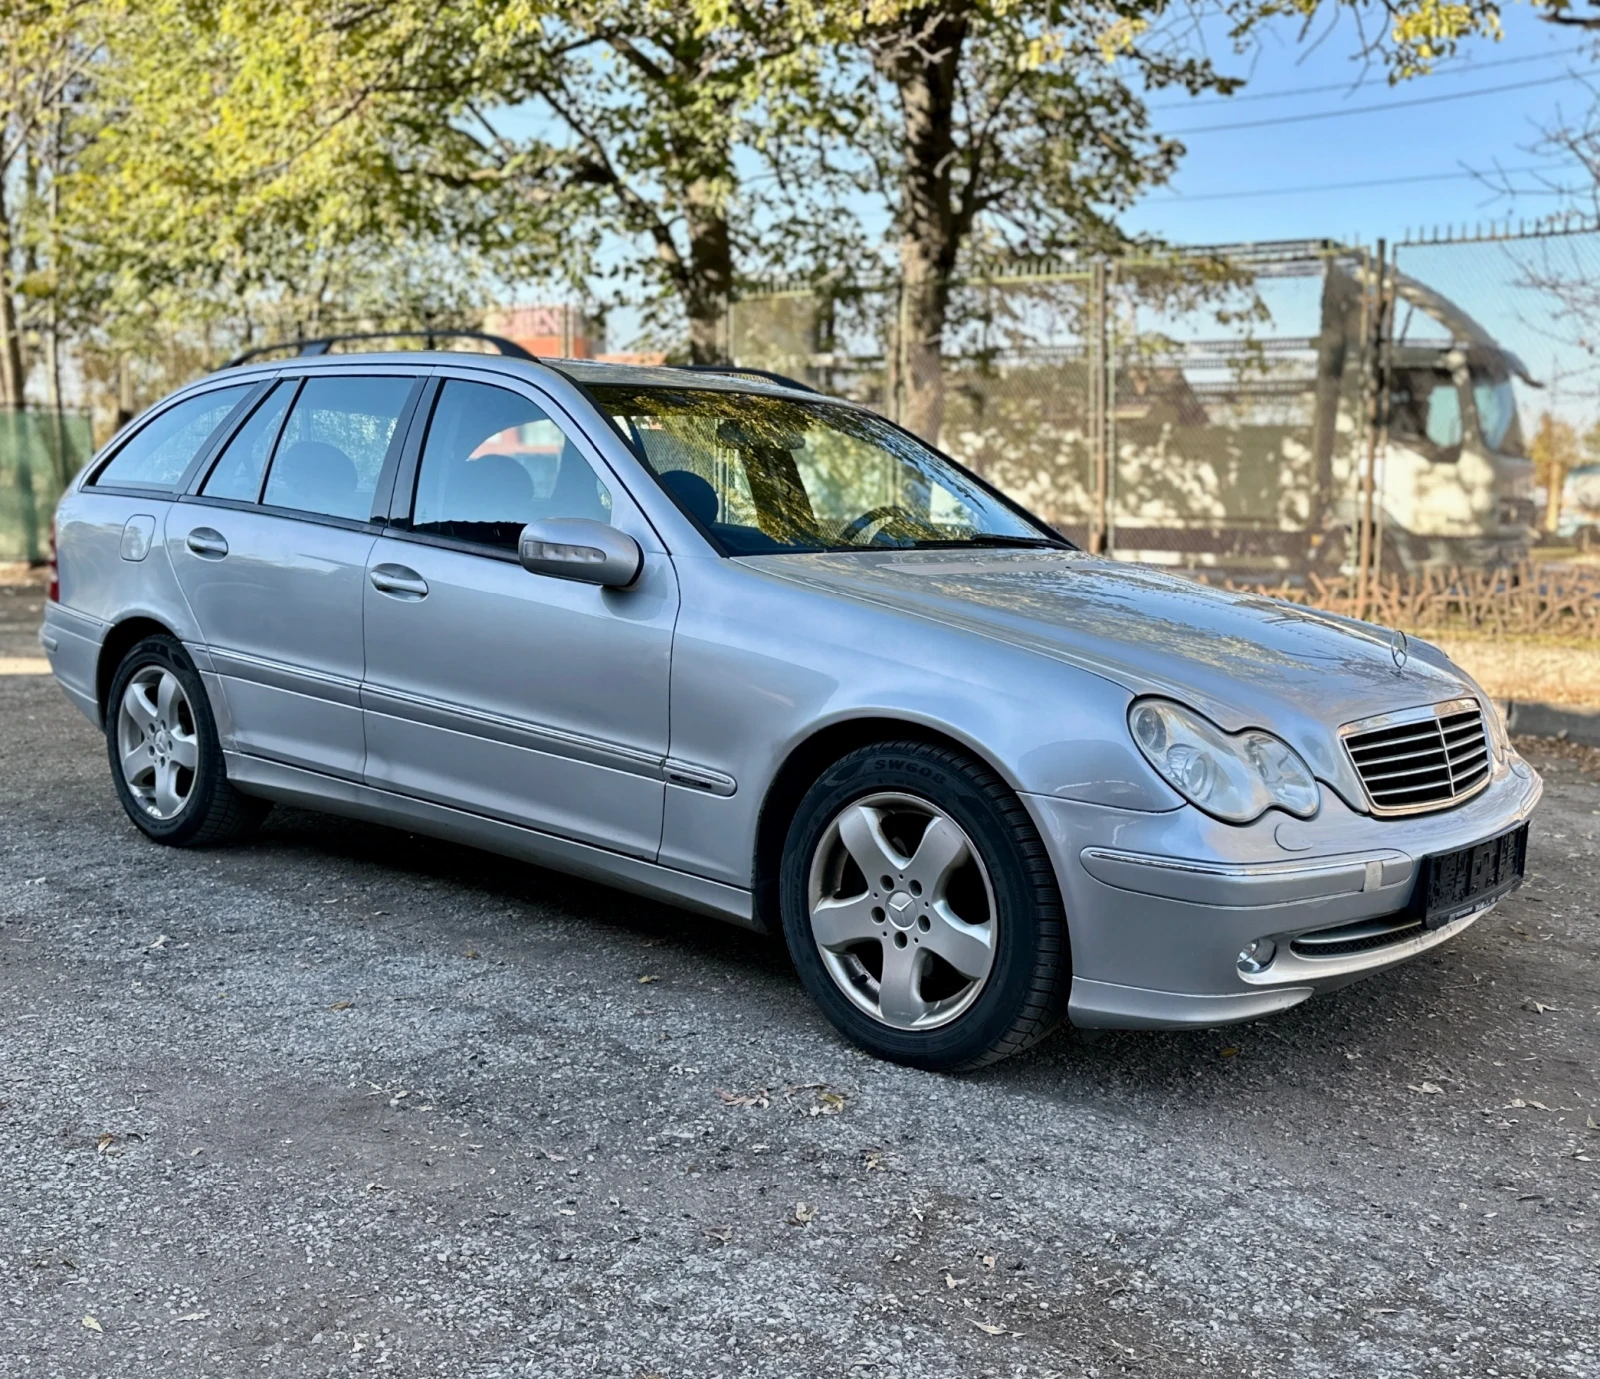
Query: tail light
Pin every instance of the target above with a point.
(53, 590)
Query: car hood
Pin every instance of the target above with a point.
(1243, 659)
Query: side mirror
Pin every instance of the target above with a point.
(582, 549)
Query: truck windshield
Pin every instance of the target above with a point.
(762, 474)
(1496, 403)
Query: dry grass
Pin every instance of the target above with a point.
(1534, 670)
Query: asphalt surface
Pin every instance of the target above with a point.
(346, 1101)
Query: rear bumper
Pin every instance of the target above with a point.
(1159, 906)
(71, 643)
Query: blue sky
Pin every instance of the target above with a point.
(1204, 205)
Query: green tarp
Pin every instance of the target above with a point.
(39, 452)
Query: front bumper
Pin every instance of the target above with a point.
(1159, 906)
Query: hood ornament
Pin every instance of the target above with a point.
(1398, 645)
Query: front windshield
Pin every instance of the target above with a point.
(1497, 413)
(764, 474)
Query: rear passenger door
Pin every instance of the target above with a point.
(538, 700)
(271, 552)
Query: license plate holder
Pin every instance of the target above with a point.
(1453, 885)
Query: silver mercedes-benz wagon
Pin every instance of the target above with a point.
(764, 655)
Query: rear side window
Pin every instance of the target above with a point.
(237, 473)
(158, 455)
(334, 444)
(493, 462)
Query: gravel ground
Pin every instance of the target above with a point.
(346, 1101)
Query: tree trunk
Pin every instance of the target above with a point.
(709, 275)
(923, 59)
(11, 374)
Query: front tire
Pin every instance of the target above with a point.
(921, 909)
(166, 755)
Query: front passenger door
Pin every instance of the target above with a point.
(528, 698)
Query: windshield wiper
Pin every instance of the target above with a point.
(988, 538)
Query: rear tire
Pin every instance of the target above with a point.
(166, 755)
(921, 909)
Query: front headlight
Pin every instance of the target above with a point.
(1235, 776)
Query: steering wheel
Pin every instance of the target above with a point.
(884, 514)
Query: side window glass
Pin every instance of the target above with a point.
(493, 462)
(237, 473)
(157, 456)
(333, 445)
(1425, 411)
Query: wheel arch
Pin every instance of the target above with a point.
(807, 759)
(119, 641)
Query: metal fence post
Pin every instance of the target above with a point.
(1098, 409)
(1111, 414)
(1372, 345)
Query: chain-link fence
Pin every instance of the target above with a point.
(1199, 409)
(39, 452)
(1505, 395)
(1293, 413)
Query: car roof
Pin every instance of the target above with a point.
(585, 372)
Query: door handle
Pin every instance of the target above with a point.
(398, 580)
(208, 542)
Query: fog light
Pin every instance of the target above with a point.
(1257, 956)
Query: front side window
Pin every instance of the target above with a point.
(237, 472)
(158, 455)
(493, 462)
(334, 444)
(765, 474)
(1496, 404)
(1425, 409)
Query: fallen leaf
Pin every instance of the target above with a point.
(1590, 1122)
(951, 1281)
(341, 1005)
(159, 943)
(1427, 1088)
(93, 1325)
(988, 1261)
(1538, 1007)
(988, 1329)
(757, 1096)
(1231, 1051)
(472, 952)
(192, 1317)
(721, 1234)
(105, 1142)
(828, 1104)
(647, 979)
(804, 1214)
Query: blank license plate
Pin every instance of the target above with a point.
(1456, 884)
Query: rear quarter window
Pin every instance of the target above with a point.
(159, 452)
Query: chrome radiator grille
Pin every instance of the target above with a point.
(1424, 760)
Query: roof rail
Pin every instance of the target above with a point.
(323, 343)
(737, 371)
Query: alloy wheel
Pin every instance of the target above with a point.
(902, 911)
(158, 747)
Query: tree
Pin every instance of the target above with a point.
(1555, 452)
(644, 108)
(1004, 130)
(46, 47)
